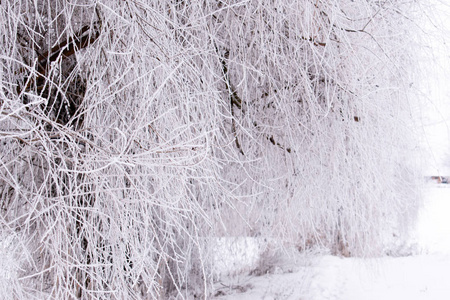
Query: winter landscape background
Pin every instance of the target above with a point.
(201, 149)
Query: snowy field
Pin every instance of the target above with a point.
(422, 275)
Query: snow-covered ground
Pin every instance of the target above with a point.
(423, 275)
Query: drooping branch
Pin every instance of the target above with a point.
(68, 47)
(63, 102)
(236, 101)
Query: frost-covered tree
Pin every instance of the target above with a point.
(134, 132)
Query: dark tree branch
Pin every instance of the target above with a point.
(235, 100)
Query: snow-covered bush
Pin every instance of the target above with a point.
(321, 101)
(133, 133)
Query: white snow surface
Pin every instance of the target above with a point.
(425, 274)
